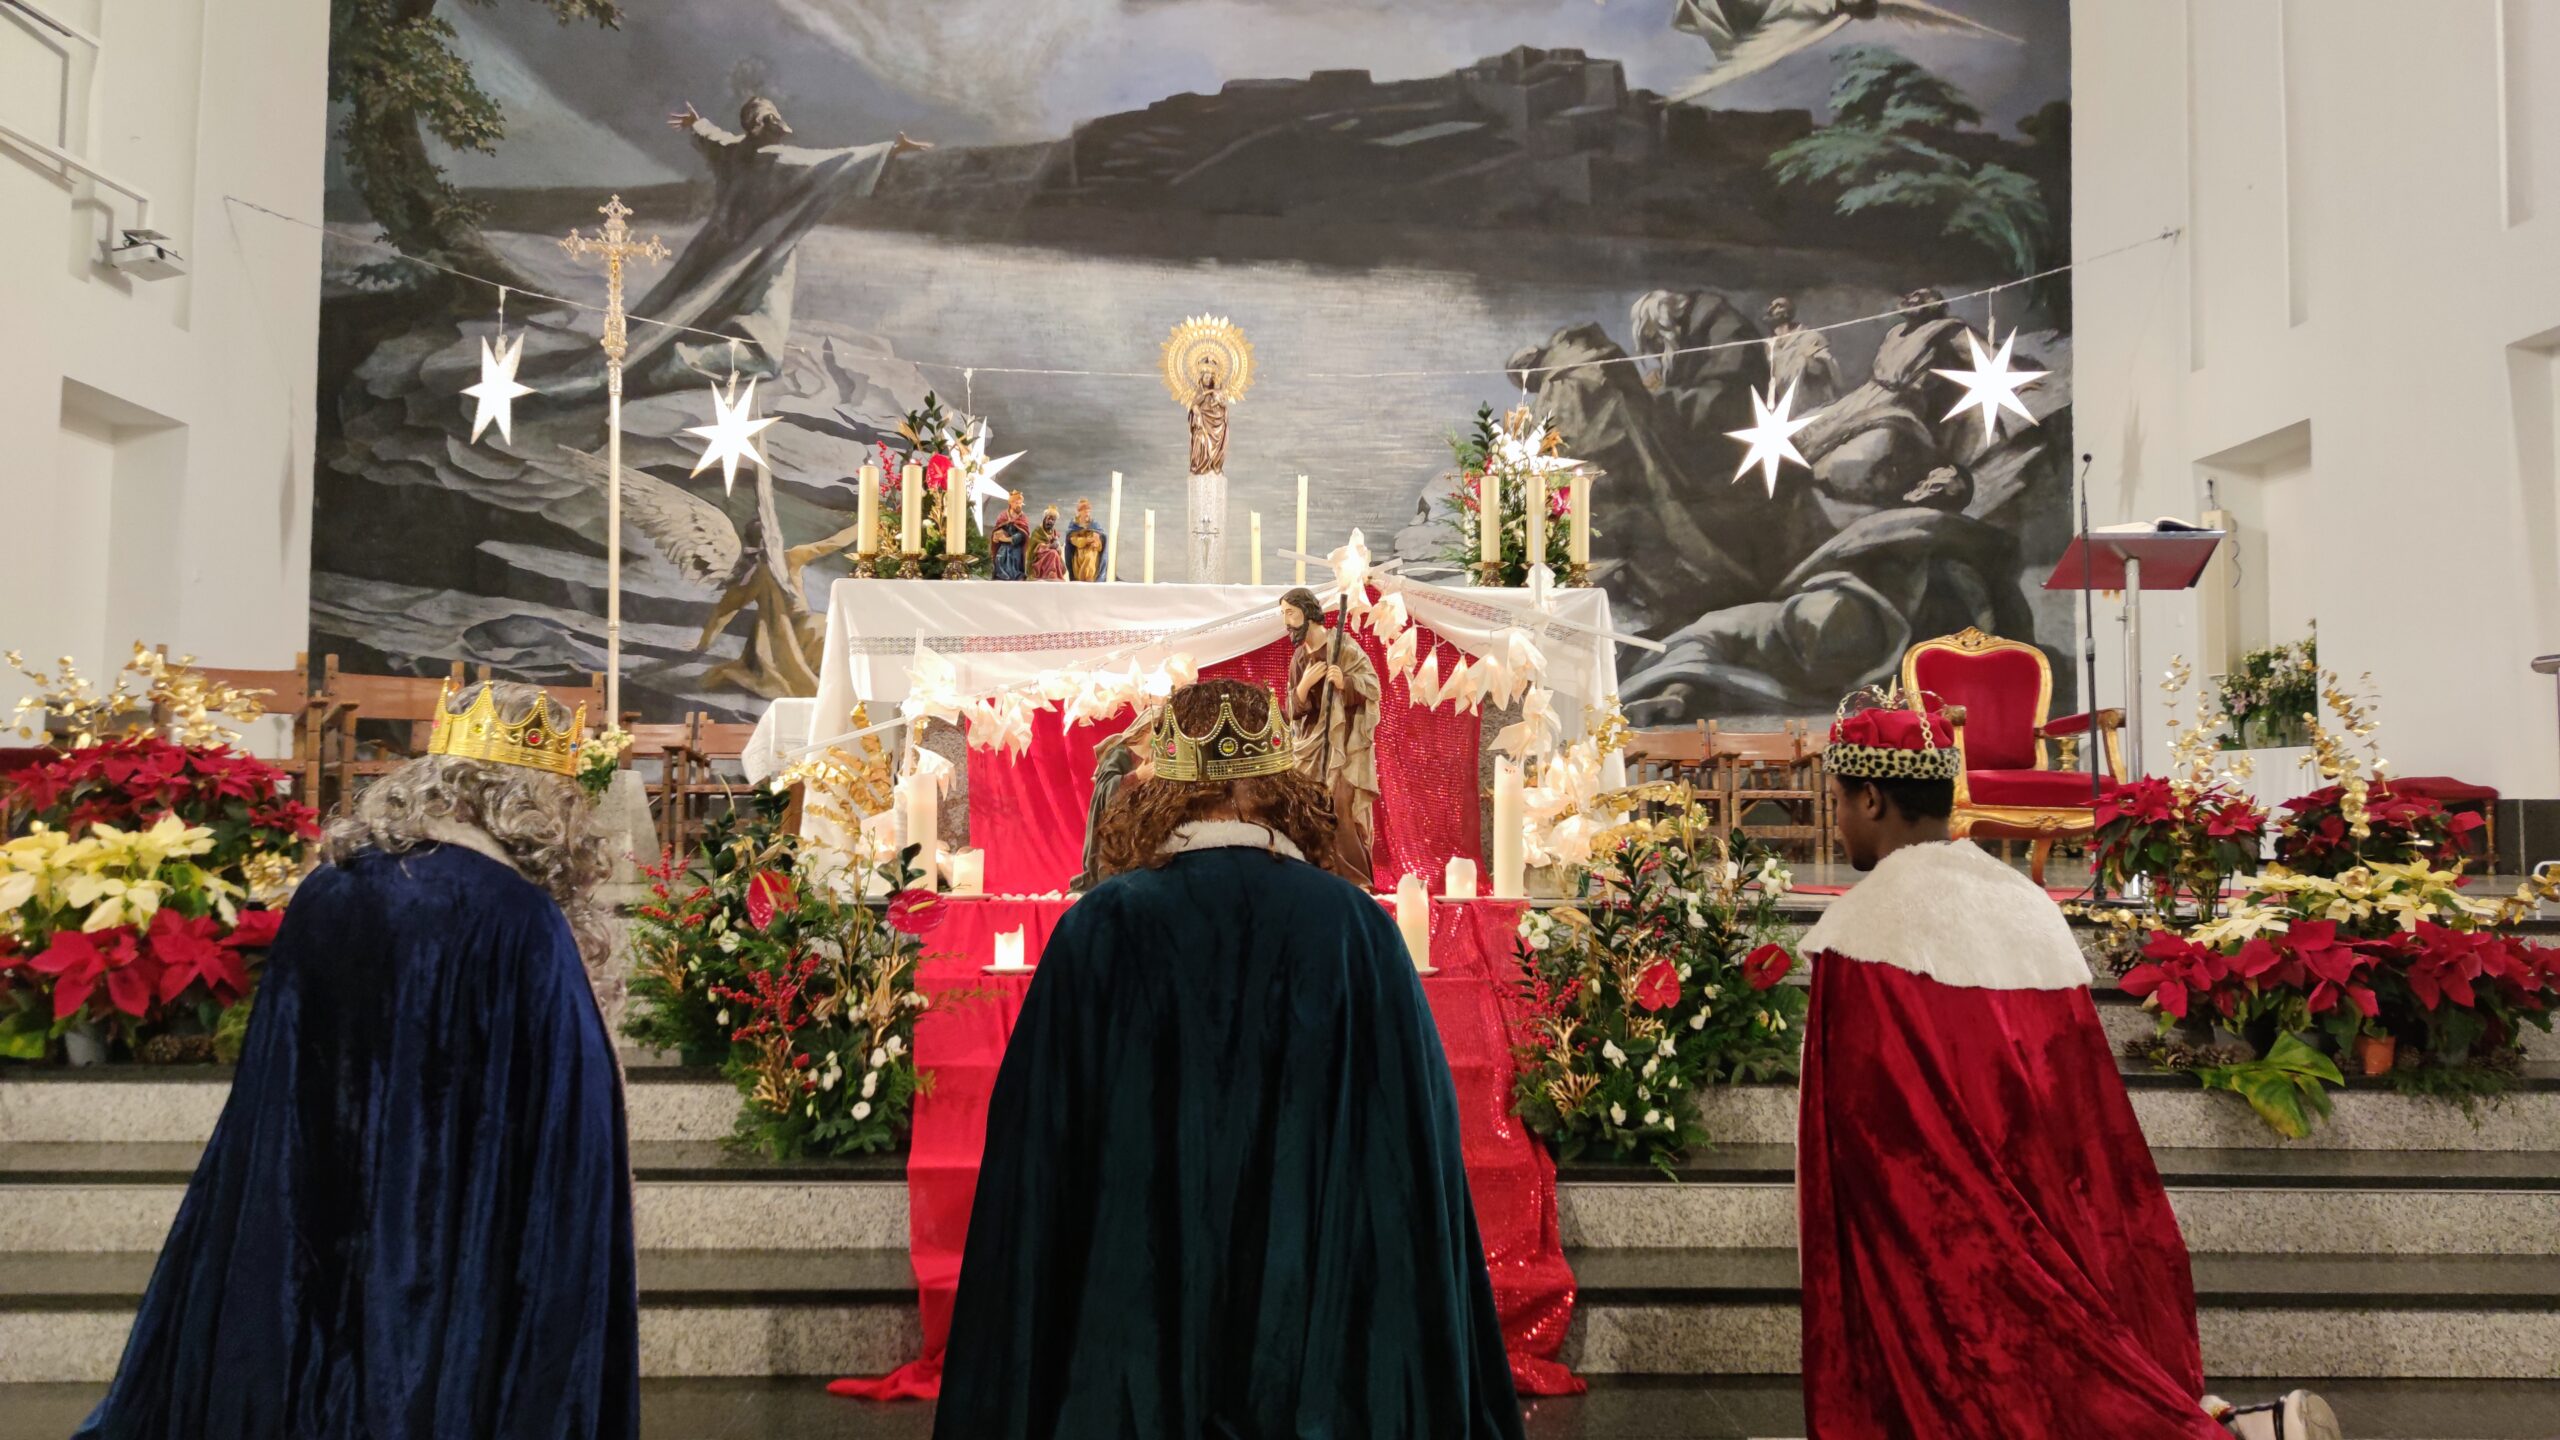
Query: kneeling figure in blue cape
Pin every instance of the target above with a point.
(414, 1218)
(1222, 1193)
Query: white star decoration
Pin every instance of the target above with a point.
(971, 460)
(1991, 386)
(1770, 438)
(1528, 453)
(731, 435)
(497, 390)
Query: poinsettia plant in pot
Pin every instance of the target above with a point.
(1666, 981)
(2338, 827)
(2183, 838)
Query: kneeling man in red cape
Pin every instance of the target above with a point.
(1987, 1247)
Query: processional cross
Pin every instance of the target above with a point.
(613, 245)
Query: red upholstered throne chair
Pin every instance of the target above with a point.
(2001, 690)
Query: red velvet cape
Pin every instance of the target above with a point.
(1987, 1247)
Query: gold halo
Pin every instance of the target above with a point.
(1214, 339)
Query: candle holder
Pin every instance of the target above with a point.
(866, 567)
(911, 565)
(1577, 574)
(1489, 575)
(956, 567)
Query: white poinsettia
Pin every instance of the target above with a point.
(933, 687)
(1617, 1114)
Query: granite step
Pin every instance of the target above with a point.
(694, 1195)
(1642, 1312)
(144, 1103)
(1618, 1407)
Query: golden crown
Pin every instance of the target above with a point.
(480, 733)
(1228, 751)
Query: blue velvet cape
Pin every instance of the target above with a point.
(1222, 1194)
(414, 1218)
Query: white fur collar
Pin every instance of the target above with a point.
(1229, 835)
(469, 837)
(1955, 913)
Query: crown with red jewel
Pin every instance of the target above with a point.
(1881, 734)
(538, 742)
(1229, 751)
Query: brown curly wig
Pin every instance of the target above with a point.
(1144, 815)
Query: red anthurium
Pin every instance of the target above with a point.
(770, 894)
(1767, 966)
(1658, 986)
(937, 472)
(915, 912)
(80, 961)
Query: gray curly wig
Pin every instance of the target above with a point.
(540, 820)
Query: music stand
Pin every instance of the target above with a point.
(2133, 561)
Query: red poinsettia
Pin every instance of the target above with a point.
(1658, 987)
(937, 473)
(2148, 801)
(256, 930)
(915, 912)
(189, 953)
(2175, 969)
(81, 961)
(1767, 966)
(770, 894)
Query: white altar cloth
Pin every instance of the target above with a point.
(998, 634)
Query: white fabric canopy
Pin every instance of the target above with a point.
(1003, 634)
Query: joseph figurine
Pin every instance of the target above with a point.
(1333, 711)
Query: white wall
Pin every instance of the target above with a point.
(2357, 337)
(159, 433)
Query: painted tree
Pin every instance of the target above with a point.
(1885, 148)
(395, 75)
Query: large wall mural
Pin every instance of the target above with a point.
(1413, 207)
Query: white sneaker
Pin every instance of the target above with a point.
(2301, 1415)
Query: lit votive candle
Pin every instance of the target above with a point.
(1462, 878)
(1009, 949)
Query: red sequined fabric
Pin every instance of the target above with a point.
(1510, 1176)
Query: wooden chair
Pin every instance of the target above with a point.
(287, 695)
(405, 704)
(1678, 755)
(2000, 690)
(670, 749)
(718, 753)
(1771, 770)
(569, 697)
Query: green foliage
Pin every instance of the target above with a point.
(1457, 505)
(1884, 150)
(395, 73)
(1668, 982)
(2287, 1087)
(2272, 695)
(678, 951)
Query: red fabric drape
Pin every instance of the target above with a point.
(1510, 1176)
(1986, 1244)
(1027, 812)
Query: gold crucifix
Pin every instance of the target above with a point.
(613, 245)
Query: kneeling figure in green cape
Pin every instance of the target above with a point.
(1222, 1192)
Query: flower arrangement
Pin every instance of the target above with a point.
(952, 454)
(2183, 838)
(2270, 695)
(805, 997)
(1632, 1002)
(2338, 827)
(1489, 446)
(599, 756)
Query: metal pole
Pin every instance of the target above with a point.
(613, 546)
(2133, 666)
(2089, 639)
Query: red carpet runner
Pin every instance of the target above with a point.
(1510, 1174)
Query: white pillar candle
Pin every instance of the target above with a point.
(1488, 519)
(1111, 550)
(1147, 575)
(1302, 528)
(1534, 549)
(955, 515)
(1461, 878)
(1579, 542)
(867, 513)
(1257, 547)
(922, 809)
(1413, 917)
(1510, 832)
(1009, 949)
(910, 509)
(968, 870)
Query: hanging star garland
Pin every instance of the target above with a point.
(1770, 438)
(1991, 386)
(970, 455)
(497, 390)
(731, 435)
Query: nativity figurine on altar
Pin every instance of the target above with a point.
(1085, 545)
(1333, 712)
(1048, 552)
(1009, 539)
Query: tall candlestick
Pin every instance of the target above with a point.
(910, 509)
(1461, 878)
(1148, 575)
(1510, 832)
(867, 513)
(1413, 917)
(1302, 528)
(1111, 552)
(955, 516)
(1535, 548)
(1488, 519)
(1579, 542)
(1257, 547)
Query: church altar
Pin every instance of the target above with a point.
(1027, 811)
(960, 1041)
